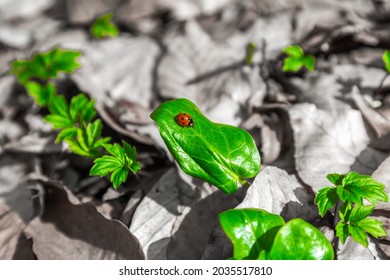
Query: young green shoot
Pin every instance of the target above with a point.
(296, 59)
(103, 27)
(351, 191)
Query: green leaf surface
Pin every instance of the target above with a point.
(386, 60)
(309, 62)
(45, 65)
(220, 154)
(342, 231)
(250, 230)
(360, 212)
(81, 109)
(292, 64)
(58, 122)
(66, 133)
(250, 52)
(42, 94)
(299, 240)
(325, 199)
(358, 234)
(119, 163)
(336, 179)
(294, 51)
(357, 187)
(103, 27)
(373, 227)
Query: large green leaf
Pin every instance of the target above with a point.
(217, 153)
(299, 240)
(250, 230)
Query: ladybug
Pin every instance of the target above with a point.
(184, 120)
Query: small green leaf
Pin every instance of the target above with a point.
(325, 199)
(42, 94)
(220, 154)
(345, 211)
(299, 240)
(358, 234)
(309, 62)
(76, 148)
(357, 187)
(294, 51)
(250, 230)
(373, 227)
(292, 64)
(45, 65)
(119, 176)
(103, 27)
(336, 179)
(297, 59)
(66, 133)
(131, 157)
(360, 212)
(386, 60)
(58, 122)
(93, 132)
(117, 163)
(342, 231)
(250, 52)
(59, 106)
(105, 165)
(81, 109)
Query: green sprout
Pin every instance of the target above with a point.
(76, 120)
(103, 27)
(297, 59)
(350, 191)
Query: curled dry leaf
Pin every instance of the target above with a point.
(277, 192)
(377, 121)
(328, 142)
(86, 11)
(172, 211)
(69, 231)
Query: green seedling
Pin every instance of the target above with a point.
(119, 163)
(250, 53)
(220, 154)
(386, 60)
(76, 120)
(350, 191)
(103, 27)
(257, 234)
(296, 59)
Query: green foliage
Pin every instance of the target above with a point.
(45, 65)
(297, 59)
(42, 94)
(250, 52)
(386, 60)
(257, 234)
(75, 119)
(103, 27)
(217, 153)
(119, 163)
(351, 190)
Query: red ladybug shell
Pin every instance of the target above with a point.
(184, 120)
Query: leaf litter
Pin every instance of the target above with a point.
(305, 125)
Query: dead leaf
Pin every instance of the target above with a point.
(277, 192)
(10, 10)
(13, 243)
(69, 231)
(211, 75)
(169, 214)
(86, 11)
(352, 250)
(328, 142)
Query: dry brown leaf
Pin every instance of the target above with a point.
(13, 243)
(69, 231)
(330, 141)
(172, 211)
